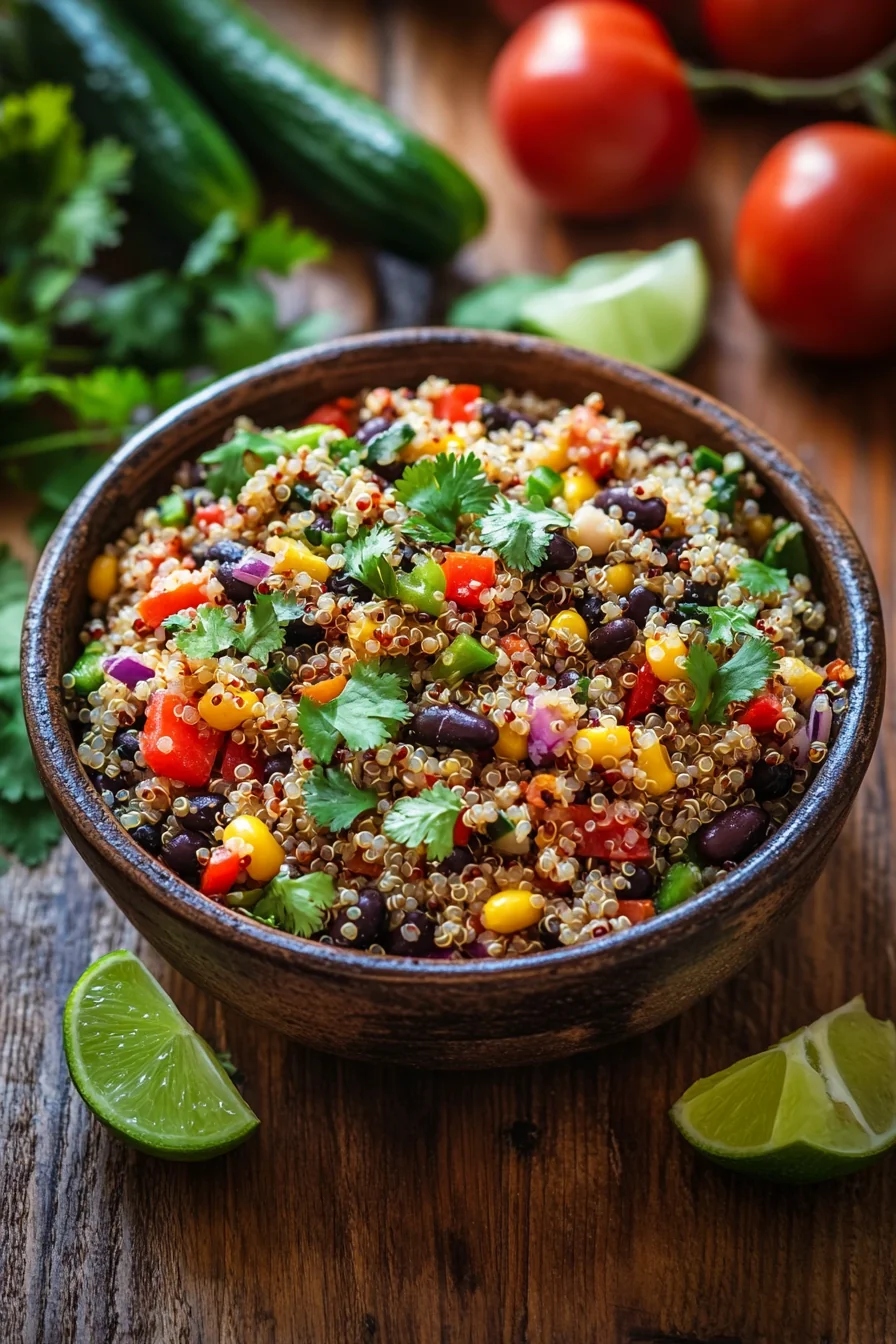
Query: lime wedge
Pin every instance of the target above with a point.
(142, 1069)
(820, 1103)
(648, 307)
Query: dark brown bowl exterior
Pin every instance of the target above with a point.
(437, 1014)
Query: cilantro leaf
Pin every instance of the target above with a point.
(211, 248)
(19, 779)
(239, 324)
(275, 245)
(742, 677)
(287, 607)
(139, 318)
(367, 559)
(725, 623)
(520, 535)
(29, 831)
(701, 669)
(262, 633)
(318, 728)
(41, 160)
(89, 218)
(214, 631)
(13, 580)
(365, 715)
(427, 819)
(228, 472)
(386, 446)
(441, 490)
(333, 800)
(760, 580)
(297, 904)
(177, 622)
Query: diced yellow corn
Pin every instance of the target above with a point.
(802, 679)
(445, 443)
(759, 529)
(293, 557)
(578, 487)
(267, 853)
(102, 578)
(655, 763)
(511, 746)
(569, 622)
(553, 455)
(510, 911)
(227, 710)
(663, 654)
(604, 740)
(620, 579)
(359, 636)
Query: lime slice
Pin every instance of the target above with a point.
(648, 307)
(142, 1069)
(820, 1103)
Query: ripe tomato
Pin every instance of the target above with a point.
(590, 99)
(797, 37)
(814, 247)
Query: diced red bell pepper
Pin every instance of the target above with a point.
(637, 911)
(207, 514)
(642, 694)
(239, 753)
(157, 607)
(613, 839)
(342, 413)
(194, 746)
(462, 832)
(466, 575)
(600, 453)
(458, 403)
(762, 713)
(221, 872)
(512, 644)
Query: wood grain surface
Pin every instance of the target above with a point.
(549, 1206)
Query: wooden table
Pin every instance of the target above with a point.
(555, 1206)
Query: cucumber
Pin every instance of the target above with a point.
(329, 141)
(186, 168)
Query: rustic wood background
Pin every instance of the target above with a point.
(549, 1206)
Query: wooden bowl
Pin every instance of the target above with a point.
(445, 1014)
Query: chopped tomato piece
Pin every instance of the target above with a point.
(157, 607)
(462, 832)
(221, 872)
(239, 753)
(613, 838)
(586, 431)
(512, 644)
(182, 751)
(458, 403)
(637, 911)
(466, 576)
(207, 514)
(643, 694)
(762, 713)
(322, 692)
(341, 413)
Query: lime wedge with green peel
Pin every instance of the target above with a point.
(142, 1069)
(648, 307)
(820, 1103)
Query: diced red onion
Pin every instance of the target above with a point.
(821, 718)
(548, 733)
(253, 568)
(127, 668)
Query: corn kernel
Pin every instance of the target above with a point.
(620, 579)
(604, 740)
(663, 654)
(579, 486)
(759, 529)
(445, 443)
(227, 710)
(293, 557)
(102, 578)
(267, 853)
(510, 911)
(359, 636)
(553, 455)
(511, 746)
(568, 623)
(654, 761)
(803, 680)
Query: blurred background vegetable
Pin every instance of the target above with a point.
(805, 38)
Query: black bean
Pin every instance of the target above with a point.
(234, 589)
(561, 554)
(366, 927)
(419, 944)
(451, 726)
(457, 860)
(591, 609)
(369, 430)
(389, 471)
(640, 886)
(200, 553)
(148, 836)
(641, 601)
(295, 634)
(496, 417)
(204, 813)
(673, 551)
(772, 781)
(568, 678)
(229, 551)
(734, 834)
(648, 514)
(408, 554)
(180, 853)
(701, 594)
(126, 742)
(613, 638)
(549, 930)
(279, 764)
(343, 585)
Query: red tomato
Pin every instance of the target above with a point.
(466, 575)
(191, 747)
(762, 713)
(342, 413)
(612, 839)
(637, 911)
(642, 694)
(207, 514)
(155, 608)
(220, 873)
(462, 832)
(514, 11)
(457, 404)
(797, 37)
(591, 102)
(814, 249)
(239, 753)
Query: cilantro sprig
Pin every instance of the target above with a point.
(740, 678)
(439, 491)
(367, 559)
(366, 714)
(725, 623)
(760, 580)
(296, 904)
(213, 631)
(520, 534)
(428, 819)
(333, 800)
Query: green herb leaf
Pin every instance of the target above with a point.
(318, 728)
(367, 559)
(262, 633)
(725, 623)
(140, 319)
(386, 446)
(287, 606)
(760, 580)
(29, 831)
(212, 248)
(742, 677)
(297, 904)
(701, 669)
(229, 471)
(368, 713)
(520, 535)
(18, 775)
(89, 218)
(427, 820)
(333, 800)
(239, 325)
(276, 245)
(441, 490)
(214, 631)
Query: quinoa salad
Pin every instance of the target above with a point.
(454, 673)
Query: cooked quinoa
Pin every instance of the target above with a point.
(451, 673)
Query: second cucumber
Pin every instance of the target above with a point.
(329, 141)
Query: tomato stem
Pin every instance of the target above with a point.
(870, 88)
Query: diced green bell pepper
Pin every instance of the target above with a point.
(787, 550)
(173, 511)
(463, 658)
(706, 460)
(87, 671)
(544, 485)
(419, 587)
(680, 883)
